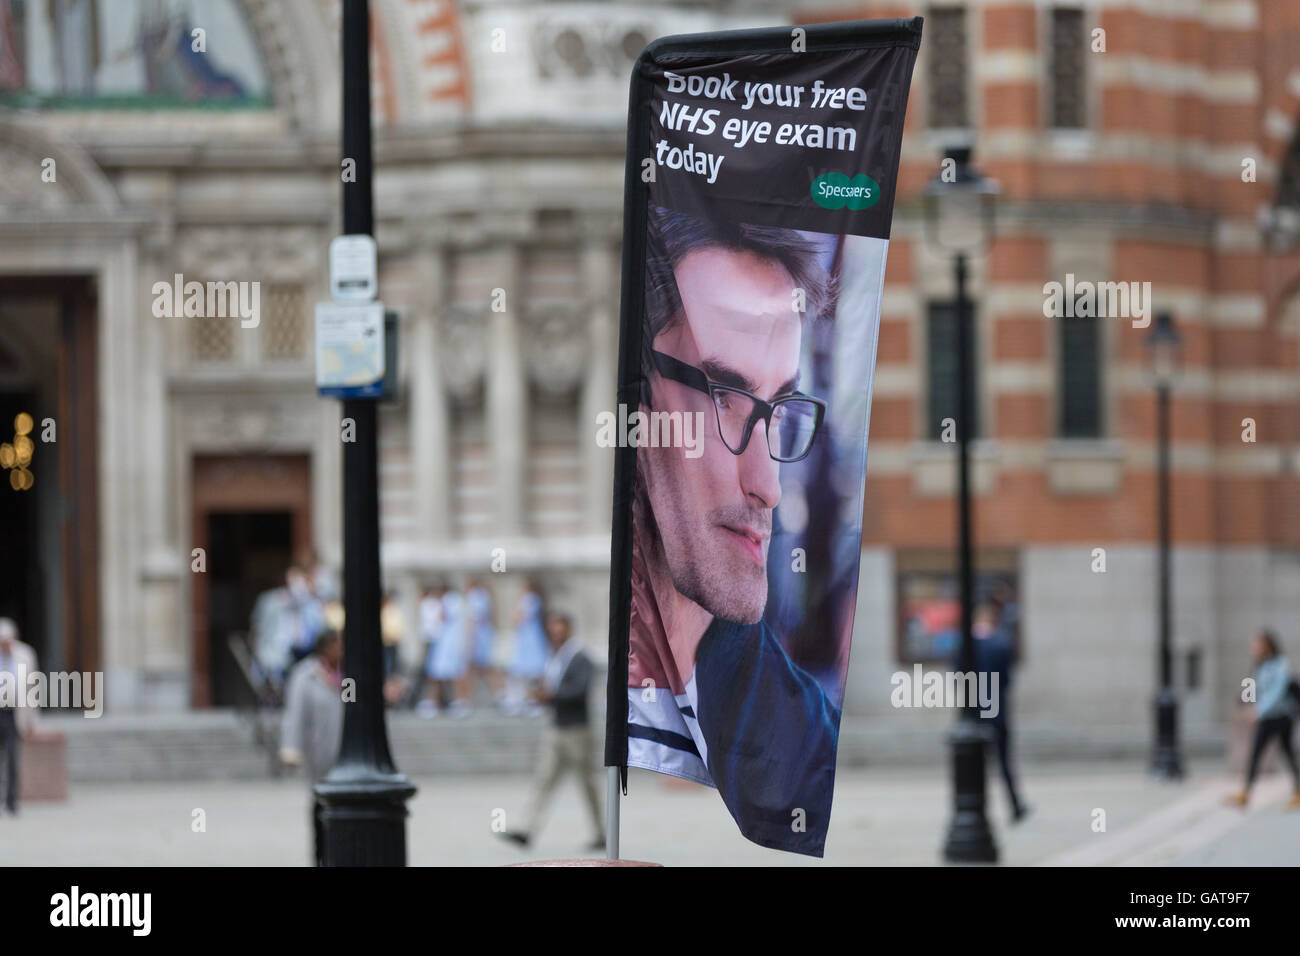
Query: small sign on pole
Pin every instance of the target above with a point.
(350, 352)
(353, 268)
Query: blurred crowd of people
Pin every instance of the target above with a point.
(461, 645)
(534, 668)
(288, 620)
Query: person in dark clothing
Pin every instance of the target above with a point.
(994, 655)
(566, 744)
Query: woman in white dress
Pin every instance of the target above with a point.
(451, 654)
(430, 631)
(530, 654)
(478, 606)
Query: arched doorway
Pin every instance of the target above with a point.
(251, 518)
(49, 512)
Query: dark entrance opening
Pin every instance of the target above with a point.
(248, 553)
(22, 571)
(49, 504)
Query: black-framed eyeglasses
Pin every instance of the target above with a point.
(791, 421)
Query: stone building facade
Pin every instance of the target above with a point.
(499, 156)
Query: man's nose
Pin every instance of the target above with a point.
(759, 473)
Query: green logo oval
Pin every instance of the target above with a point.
(838, 191)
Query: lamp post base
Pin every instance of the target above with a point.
(364, 817)
(1166, 762)
(970, 840)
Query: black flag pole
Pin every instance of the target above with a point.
(635, 199)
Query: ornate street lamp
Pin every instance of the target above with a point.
(1164, 346)
(959, 206)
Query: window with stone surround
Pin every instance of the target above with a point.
(555, 479)
(1079, 407)
(1067, 67)
(1283, 220)
(212, 338)
(928, 599)
(1288, 190)
(283, 322)
(281, 334)
(947, 81)
(941, 368)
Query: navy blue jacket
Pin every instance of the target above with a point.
(995, 655)
(771, 734)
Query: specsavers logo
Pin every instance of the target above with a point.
(838, 191)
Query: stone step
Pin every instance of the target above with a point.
(220, 745)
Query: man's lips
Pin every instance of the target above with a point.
(751, 540)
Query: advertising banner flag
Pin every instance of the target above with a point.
(761, 170)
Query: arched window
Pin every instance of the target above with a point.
(156, 54)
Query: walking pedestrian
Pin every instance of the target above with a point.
(17, 661)
(995, 656)
(567, 744)
(312, 727)
(1276, 705)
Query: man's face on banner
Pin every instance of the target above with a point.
(714, 512)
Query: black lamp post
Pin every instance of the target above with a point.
(364, 795)
(1165, 346)
(959, 220)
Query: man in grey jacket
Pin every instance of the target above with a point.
(566, 744)
(312, 728)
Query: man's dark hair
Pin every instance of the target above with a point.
(672, 235)
(1270, 640)
(324, 639)
(988, 607)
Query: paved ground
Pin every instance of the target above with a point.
(892, 818)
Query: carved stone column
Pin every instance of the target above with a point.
(431, 446)
(507, 395)
(600, 271)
